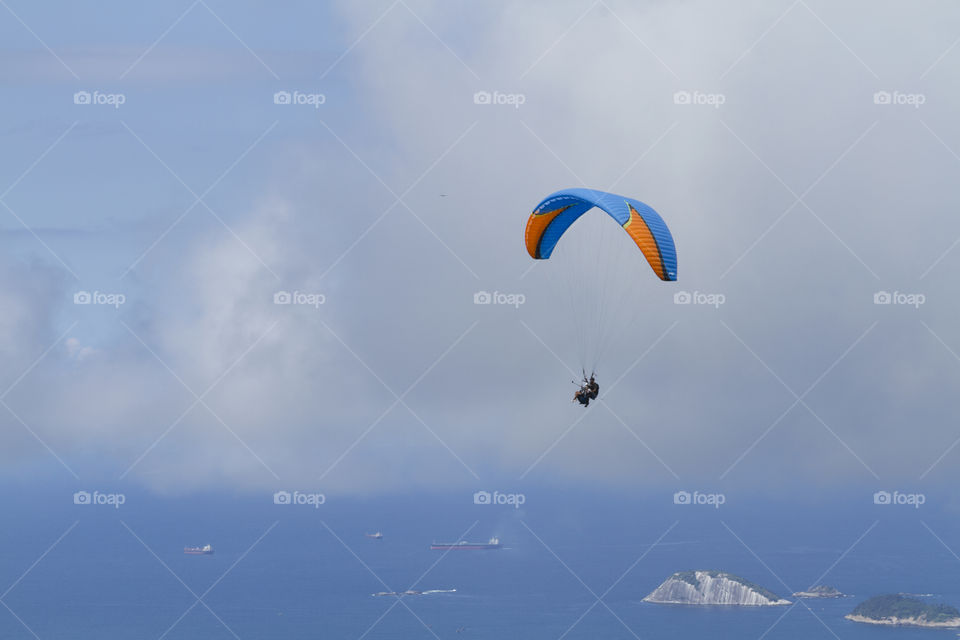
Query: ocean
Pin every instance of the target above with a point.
(574, 565)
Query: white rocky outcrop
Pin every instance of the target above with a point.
(712, 588)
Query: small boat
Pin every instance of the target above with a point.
(493, 543)
(205, 550)
(375, 536)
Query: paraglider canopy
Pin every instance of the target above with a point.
(598, 265)
(554, 215)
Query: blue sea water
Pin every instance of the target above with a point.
(576, 565)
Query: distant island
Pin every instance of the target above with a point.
(819, 591)
(712, 588)
(900, 610)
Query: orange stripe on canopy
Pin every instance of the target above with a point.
(637, 227)
(536, 225)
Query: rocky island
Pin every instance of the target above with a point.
(819, 591)
(899, 610)
(712, 588)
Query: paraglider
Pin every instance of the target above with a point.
(593, 268)
(589, 390)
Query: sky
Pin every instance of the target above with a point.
(803, 154)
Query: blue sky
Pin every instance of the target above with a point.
(799, 197)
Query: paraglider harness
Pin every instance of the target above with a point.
(589, 390)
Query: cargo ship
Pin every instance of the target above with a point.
(493, 543)
(205, 550)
